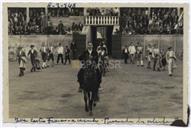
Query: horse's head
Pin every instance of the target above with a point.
(90, 70)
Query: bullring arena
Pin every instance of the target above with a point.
(128, 90)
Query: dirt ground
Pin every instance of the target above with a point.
(129, 91)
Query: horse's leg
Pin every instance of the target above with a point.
(85, 100)
(94, 97)
(90, 103)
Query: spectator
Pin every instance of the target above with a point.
(60, 28)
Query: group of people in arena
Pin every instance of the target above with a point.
(156, 59)
(47, 53)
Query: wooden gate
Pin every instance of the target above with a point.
(116, 46)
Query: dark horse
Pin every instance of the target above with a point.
(90, 80)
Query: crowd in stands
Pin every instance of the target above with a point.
(38, 23)
(132, 20)
(103, 11)
(65, 12)
(61, 29)
(16, 20)
(155, 21)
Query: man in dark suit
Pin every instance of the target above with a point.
(33, 54)
(67, 55)
(73, 47)
(89, 54)
(125, 54)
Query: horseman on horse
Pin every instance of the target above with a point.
(89, 77)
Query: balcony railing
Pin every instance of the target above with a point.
(102, 20)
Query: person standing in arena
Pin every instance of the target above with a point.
(170, 57)
(73, 47)
(125, 54)
(139, 53)
(156, 55)
(132, 52)
(60, 51)
(163, 60)
(22, 60)
(149, 55)
(33, 55)
(51, 54)
(44, 55)
(67, 55)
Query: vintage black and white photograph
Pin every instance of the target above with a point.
(66, 60)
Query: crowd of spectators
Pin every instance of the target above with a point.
(16, 20)
(155, 21)
(38, 23)
(103, 12)
(61, 29)
(65, 12)
(132, 20)
(18, 24)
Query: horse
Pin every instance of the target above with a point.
(90, 86)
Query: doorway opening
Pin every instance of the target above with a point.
(102, 34)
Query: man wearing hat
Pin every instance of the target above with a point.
(33, 55)
(170, 58)
(22, 60)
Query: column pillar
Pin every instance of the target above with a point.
(27, 15)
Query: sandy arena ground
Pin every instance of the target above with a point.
(129, 91)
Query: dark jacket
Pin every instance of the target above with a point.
(87, 56)
(32, 55)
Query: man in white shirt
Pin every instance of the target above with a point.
(132, 52)
(170, 58)
(156, 57)
(60, 51)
